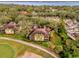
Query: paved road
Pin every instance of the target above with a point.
(52, 53)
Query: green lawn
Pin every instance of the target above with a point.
(12, 47)
(15, 49)
(20, 37)
(6, 51)
(13, 36)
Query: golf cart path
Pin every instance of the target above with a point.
(52, 53)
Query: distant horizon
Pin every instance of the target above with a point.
(38, 3)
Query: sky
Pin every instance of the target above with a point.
(51, 3)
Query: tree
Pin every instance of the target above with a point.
(4, 19)
(20, 18)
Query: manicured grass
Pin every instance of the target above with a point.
(20, 37)
(16, 36)
(19, 48)
(6, 51)
(45, 44)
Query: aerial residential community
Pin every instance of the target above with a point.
(39, 29)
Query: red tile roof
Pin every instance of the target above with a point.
(10, 25)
